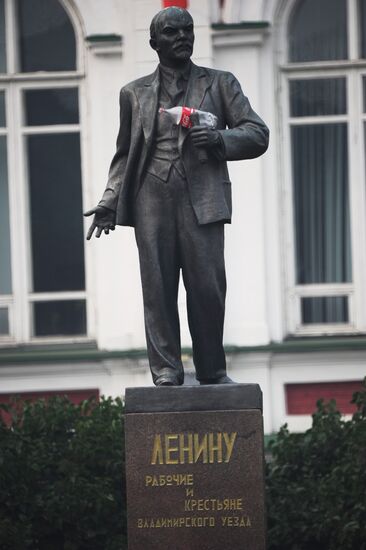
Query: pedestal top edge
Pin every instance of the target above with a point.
(193, 398)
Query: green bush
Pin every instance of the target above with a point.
(316, 483)
(62, 482)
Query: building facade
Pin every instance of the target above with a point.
(71, 316)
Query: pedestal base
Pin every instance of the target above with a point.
(194, 462)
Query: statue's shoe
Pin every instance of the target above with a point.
(166, 381)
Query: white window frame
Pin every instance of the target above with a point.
(6, 300)
(19, 304)
(353, 69)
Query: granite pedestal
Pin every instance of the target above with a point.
(194, 465)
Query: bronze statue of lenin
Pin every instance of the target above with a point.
(177, 203)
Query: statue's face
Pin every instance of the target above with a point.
(174, 37)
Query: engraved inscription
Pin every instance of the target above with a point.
(214, 504)
(154, 523)
(192, 448)
(176, 480)
(193, 521)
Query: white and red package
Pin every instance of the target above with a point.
(182, 116)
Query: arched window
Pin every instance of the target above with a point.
(325, 79)
(42, 278)
(318, 31)
(46, 37)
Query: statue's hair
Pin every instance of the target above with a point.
(155, 20)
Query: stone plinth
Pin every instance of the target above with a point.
(194, 464)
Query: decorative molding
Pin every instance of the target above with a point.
(246, 33)
(74, 369)
(242, 25)
(105, 44)
(330, 359)
(87, 353)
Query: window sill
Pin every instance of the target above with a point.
(322, 65)
(42, 76)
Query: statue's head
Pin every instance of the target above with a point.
(172, 36)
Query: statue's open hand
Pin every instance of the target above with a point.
(204, 136)
(104, 220)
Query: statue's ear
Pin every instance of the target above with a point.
(153, 44)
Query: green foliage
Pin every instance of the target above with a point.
(316, 483)
(62, 482)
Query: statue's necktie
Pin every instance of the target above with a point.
(176, 91)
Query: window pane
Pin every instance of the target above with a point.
(5, 269)
(2, 110)
(4, 321)
(2, 39)
(318, 97)
(362, 11)
(60, 318)
(318, 31)
(321, 203)
(56, 212)
(46, 37)
(324, 309)
(58, 106)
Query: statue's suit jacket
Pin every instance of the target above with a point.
(244, 136)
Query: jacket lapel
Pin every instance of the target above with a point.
(148, 97)
(199, 82)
